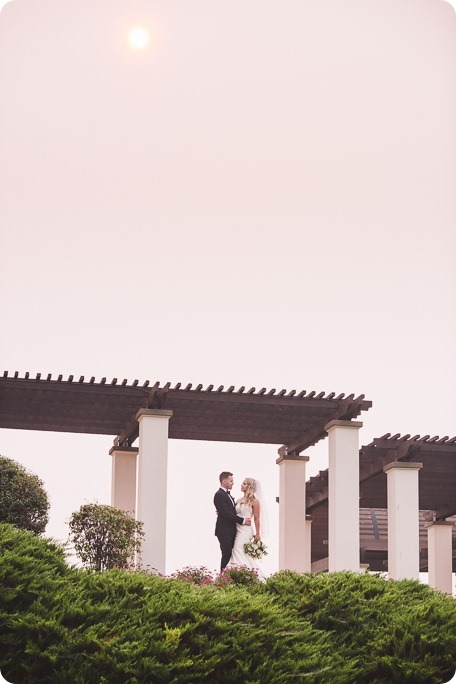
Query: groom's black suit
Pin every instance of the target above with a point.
(225, 527)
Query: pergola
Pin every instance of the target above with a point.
(215, 414)
(155, 413)
(437, 495)
(329, 515)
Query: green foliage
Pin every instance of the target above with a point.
(69, 626)
(23, 500)
(29, 567)
(240, 575)
(105, 537)
(197, 576)
(403, 626)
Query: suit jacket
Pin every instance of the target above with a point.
(227, 516)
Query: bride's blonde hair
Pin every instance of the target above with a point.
(249, 493)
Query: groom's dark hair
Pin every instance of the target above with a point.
(224, 475)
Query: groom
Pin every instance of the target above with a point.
(225, 527)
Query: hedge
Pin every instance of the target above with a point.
(68, 625)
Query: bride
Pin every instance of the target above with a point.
(251, 505)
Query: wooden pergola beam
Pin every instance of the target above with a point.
(402, 453)
(345, 409)
(109, 406)
(446, 511)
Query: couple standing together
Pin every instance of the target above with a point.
(234, 520)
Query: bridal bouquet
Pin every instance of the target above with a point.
(256, 549)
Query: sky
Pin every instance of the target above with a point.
(264, 196)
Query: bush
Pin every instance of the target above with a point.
(199, 576)
(23, 500)
(398, 623)
(105, 537)
(240, 575)
(69, 626)
(30, 568)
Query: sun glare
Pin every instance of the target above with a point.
(138, 38)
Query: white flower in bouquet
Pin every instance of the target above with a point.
(256, 549)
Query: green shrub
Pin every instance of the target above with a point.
(67, 625)
(105, 537)
(23, 499)
(240, 575)
(197, 576)
(399, 624)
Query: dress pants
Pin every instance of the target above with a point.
(226, 546)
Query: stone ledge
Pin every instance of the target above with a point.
(402, 465)
(292, 457)
(343, 423)
(123, 450)
(153, 412)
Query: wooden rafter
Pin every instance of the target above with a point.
(228, 413)
(437, 477)
(346, 409)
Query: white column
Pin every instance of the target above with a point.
(123, 478)
(292, 513)
(308, 545)
(403, 520)
(343, 495)
(440, 555)
(152, 479)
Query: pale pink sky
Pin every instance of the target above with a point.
(264, 197)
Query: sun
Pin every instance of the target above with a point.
(138, 38)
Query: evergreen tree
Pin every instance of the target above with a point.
(23, 500)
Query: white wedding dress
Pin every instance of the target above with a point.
(244, 534)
